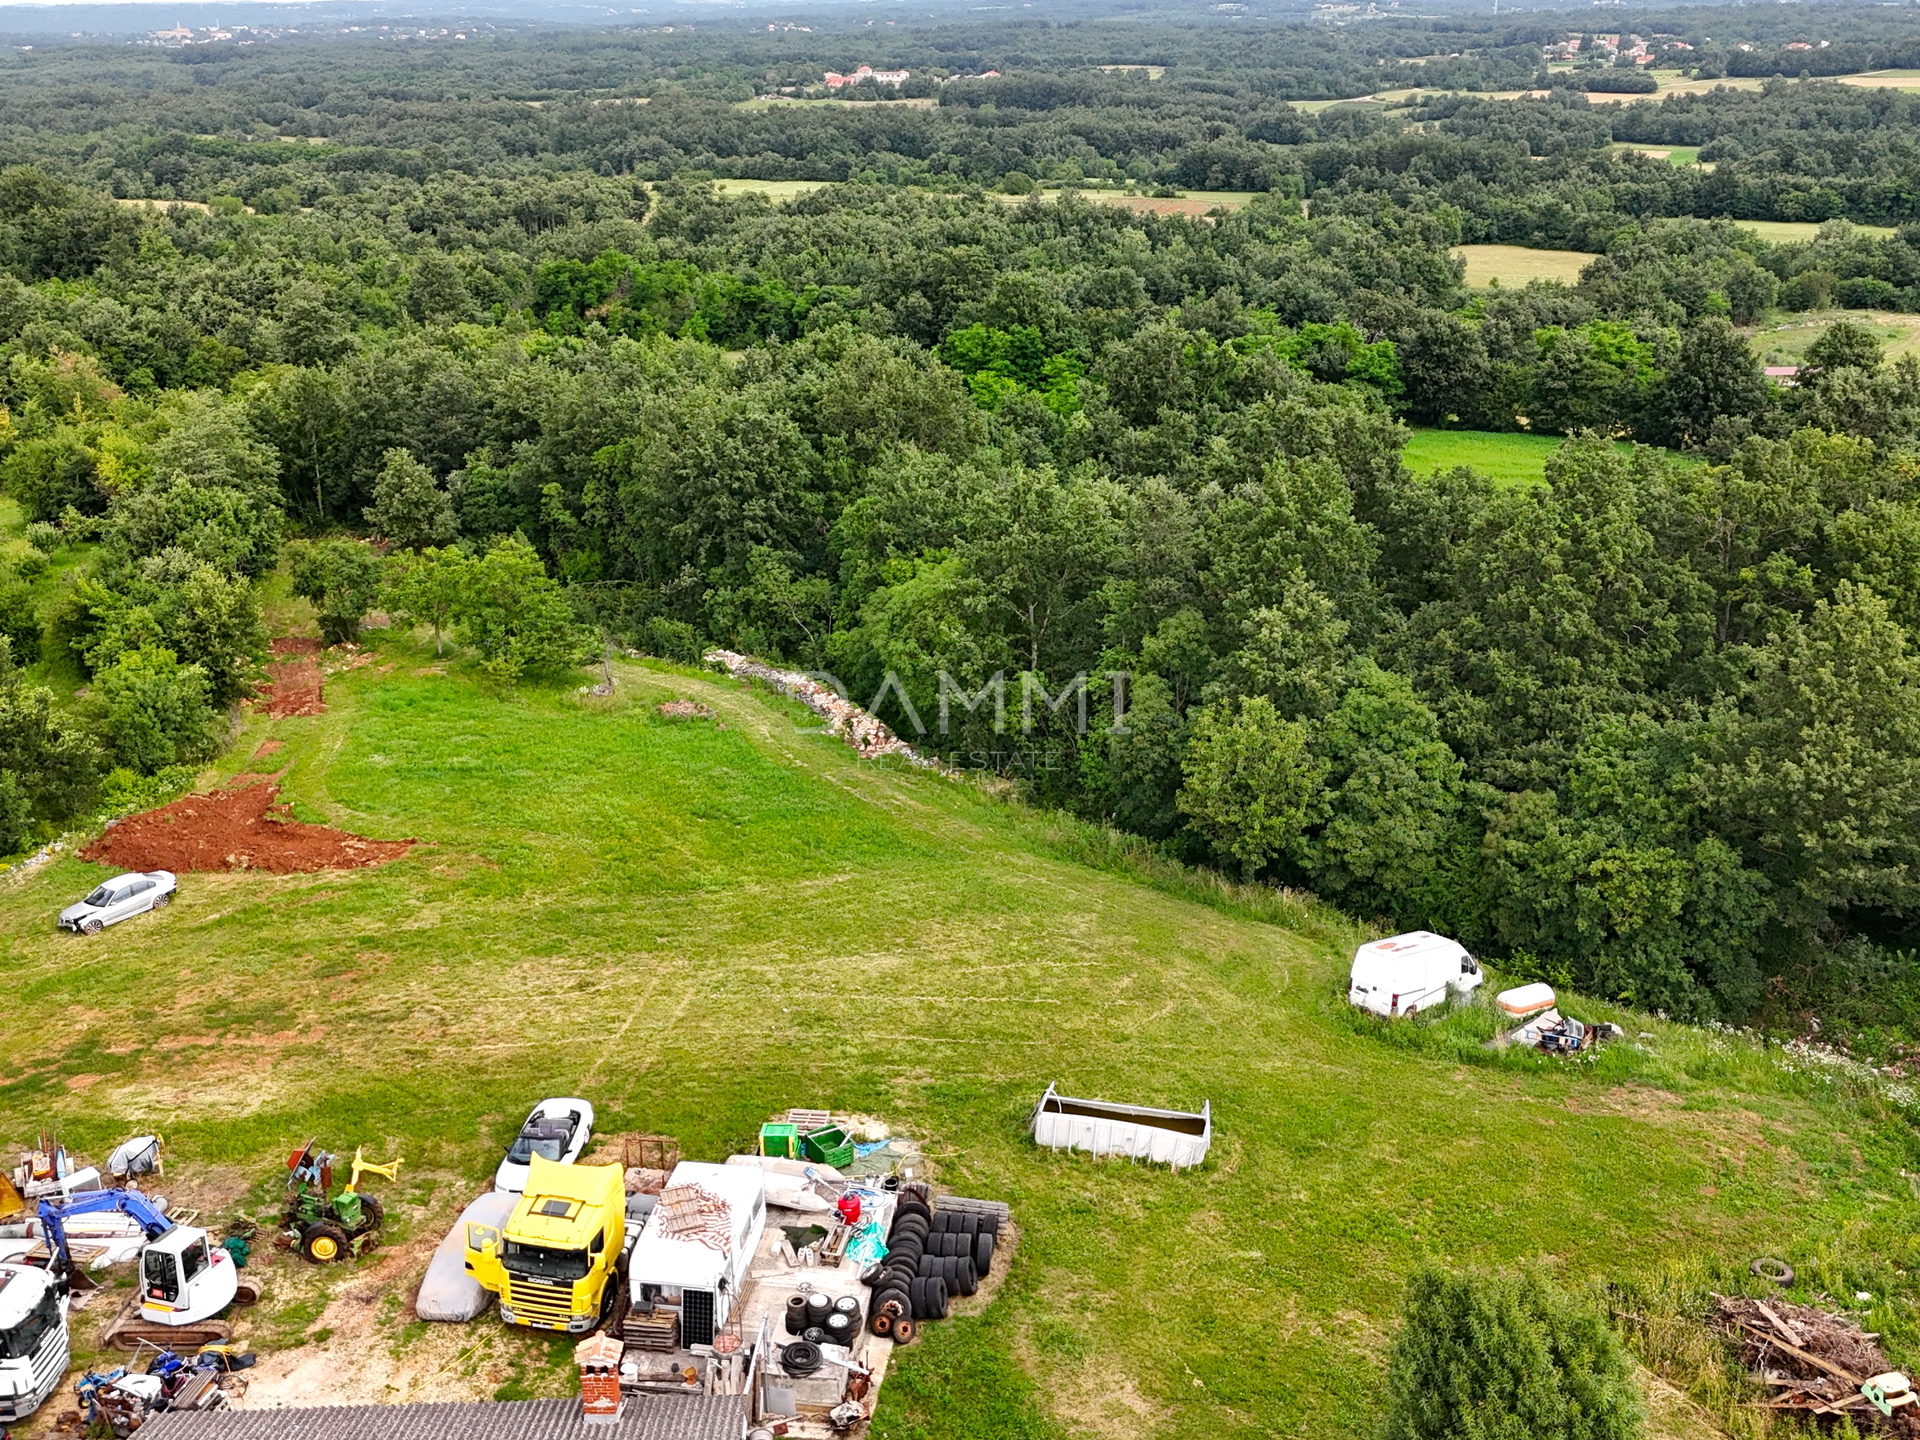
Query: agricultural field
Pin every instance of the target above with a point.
(1514, 265)
(1781, 232)
(1785, 341)
(697, 922)
(774, 190)
(1673, 154)
(1504, 457)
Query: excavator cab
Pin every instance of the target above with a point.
(185, 1278)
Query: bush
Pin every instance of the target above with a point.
(1487, 1357)
(154, 710)
(342, 580)
(1866, 293)
(19, 618)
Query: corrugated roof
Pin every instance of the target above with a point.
(646, 1417)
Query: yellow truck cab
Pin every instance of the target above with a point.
(552, 1264)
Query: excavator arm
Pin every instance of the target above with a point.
(127, 1202)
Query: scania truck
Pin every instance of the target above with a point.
(555, 1261)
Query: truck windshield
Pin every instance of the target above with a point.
(24, 1339)
(543, 1263)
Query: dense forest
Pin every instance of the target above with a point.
(1651, 727)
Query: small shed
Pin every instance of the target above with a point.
(1180, 1138)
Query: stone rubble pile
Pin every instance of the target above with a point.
(868, 735)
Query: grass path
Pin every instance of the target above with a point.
(695, 925)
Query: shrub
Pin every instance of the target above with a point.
(1482, 1357)
(154, 710)
(341, 579)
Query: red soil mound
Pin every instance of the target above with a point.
(234, 830)
(293, 678)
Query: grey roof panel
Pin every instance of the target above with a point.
(646, 1417)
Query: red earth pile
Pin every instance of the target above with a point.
(293, 678)
(235, 830)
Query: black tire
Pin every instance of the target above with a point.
(983, 1253)
(882, 1324)
(323, 1243)
(990, 1225)
(925, 1268)
(160, 900)
(372, 1215)
(800, 1358)
(818, 1308)
(847, 1305)
(840, 1328)
(92, 927)
(936, 1300)
(912, 1225)
(942, 1219)
(898, 1301)
(967, 1224)
(908, 1209)
(813, 1335)
(871, 1274)
(965, 1278)
(909, 1256)
(1778, 1271)
(916, 1297)
(796, 1314)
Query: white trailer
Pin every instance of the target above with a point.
(1405, 974)
(33, 1340)
(699, 1277)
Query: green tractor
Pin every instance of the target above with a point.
(322, 1225)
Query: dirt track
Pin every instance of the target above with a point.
(293, 679)
(235, 830)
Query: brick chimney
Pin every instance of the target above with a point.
(598, 1357)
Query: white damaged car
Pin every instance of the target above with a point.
(117, 899)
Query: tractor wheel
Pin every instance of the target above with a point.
(323, 1243)
(372, 1214)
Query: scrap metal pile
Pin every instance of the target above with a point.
(1818, 1363)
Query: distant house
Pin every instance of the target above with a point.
(645, 1417)
(179, 32)
(1798, 45)
(1784, 374)
(895, 78)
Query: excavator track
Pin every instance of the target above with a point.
(127, 1330)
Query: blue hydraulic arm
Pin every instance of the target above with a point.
(127, 1202)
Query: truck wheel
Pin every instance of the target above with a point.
(903, 1331)
(324, 1243)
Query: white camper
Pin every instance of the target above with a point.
(690, 1262)
(1405, 974)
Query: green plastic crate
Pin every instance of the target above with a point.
(829, 1146)
(780, 1139)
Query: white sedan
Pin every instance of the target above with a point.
(119, 898)
(557, 1130)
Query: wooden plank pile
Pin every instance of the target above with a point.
(1818, 1363)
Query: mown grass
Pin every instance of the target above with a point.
(695, 923)
(1514, 265)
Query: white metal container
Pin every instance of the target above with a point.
(1179, 1138)
(1525, 1000)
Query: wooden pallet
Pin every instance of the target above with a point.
(652, 1329)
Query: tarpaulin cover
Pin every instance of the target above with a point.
(449, 1292)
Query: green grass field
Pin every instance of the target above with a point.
(1514, 265)
(696, 923)
(1784, 341)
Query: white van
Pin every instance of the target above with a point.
(1405, 974)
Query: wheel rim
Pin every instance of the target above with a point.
(323, 1247)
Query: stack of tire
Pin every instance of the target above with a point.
(932, 1256)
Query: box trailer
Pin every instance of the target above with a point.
(690, 1263)
(1405, 974)
(1179, 1138)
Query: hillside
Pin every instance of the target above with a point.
(694, 923)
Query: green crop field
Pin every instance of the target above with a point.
(697, 922)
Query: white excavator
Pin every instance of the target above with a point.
(186, 1280)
